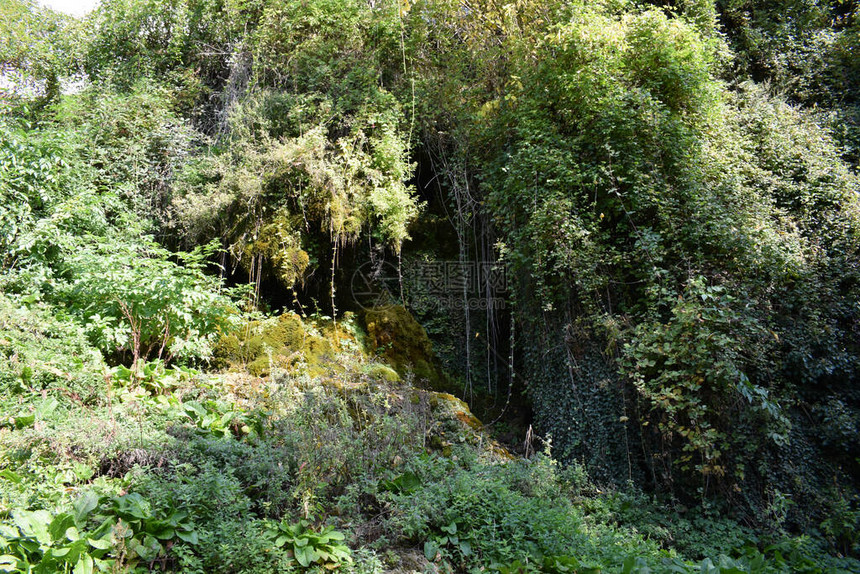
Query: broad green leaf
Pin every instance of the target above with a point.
(8, 563)
(84, 565)
(23, 421)
(11, 476)
(304, 555)
(34, 524)
(189, 537)
(100, 544)
(83, 506)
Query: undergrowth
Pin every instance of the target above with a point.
(327, 463)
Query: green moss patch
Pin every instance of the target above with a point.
(395, 335)
(276, 343)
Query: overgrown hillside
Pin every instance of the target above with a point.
(252, 251)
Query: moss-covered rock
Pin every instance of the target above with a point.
(451, 406)
(280, 342)
(382, 372)
(288, 332)
(333, 358)
(394, 334)
(237, 348)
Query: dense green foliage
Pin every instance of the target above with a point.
(671, 187)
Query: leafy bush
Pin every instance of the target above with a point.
(39, 542)
(473, 516)
(149, 306)
(308, 546)
(690, 371)
(681, 241)
(128, 532)
(154, 376)
(41, 351)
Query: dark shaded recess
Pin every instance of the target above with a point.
(502, 407)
